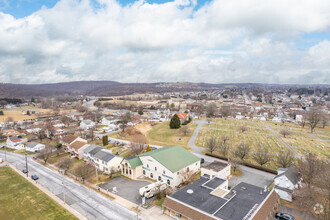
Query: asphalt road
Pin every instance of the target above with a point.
(86, 201)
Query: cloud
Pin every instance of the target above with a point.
(223, 41)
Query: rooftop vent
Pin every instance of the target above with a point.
(243, 188)
(190, 191)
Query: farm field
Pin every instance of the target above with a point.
(268, 134)
(21, 200)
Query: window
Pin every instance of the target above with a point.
(168, 182)
(155, 168)
(187, 169)
(126, 171)
(123, 170)
(130, 171)
(147, 165)
(159, 178)
(144, 172)
(163, 171)
(151, 175)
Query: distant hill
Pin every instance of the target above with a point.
(111, 88)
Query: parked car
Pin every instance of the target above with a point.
(34, 177)
(283, 216)
(24, 171)
(202, 160)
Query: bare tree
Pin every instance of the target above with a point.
(303, 121)
(235, 163)
(261, 156)
(65, 164)
(313, 118)
(124, 119)
(224, 139)
(324, 119)
(185, 130)
(83, 171)
(242, 151)
(225, 111)
(243, 128)
(309, 168)
(223, 149)
(187, 176)
(138, 144)
(285, 159)
(65, 120)
(210, 110)
(285, 132)
(211, 144)
(45, 154)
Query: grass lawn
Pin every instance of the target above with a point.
(21, 200)
(161, 134)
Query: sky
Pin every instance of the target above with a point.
(212, 41)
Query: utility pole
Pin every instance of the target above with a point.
(26, 166)
(6, 154)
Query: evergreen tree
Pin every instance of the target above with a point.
(105, 140)
(175, 122)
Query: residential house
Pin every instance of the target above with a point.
(34, 147)
(87, 124)
(10, 133)
(90, 151)
(69, 139)
(171, 164)
(209, 199)
(183, 117)
(286, 181)
(106, 161)
(77, 148)
(15, 142)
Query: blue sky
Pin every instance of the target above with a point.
(22, 8)
(262, 41)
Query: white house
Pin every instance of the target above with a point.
(299, 118)
(216, 169)
(106, 161)
(15, 142)
(87, 124)
(172, 164)
(286, 181)
(34, 147)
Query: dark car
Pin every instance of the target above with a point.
(202, 160)
(34, 177)
(24, 171)
(283, 216)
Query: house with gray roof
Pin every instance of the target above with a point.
(286, 181)
(107, 162)
(34, 147)
(209, 199)
(90, 151)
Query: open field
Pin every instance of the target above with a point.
(21, 200)
(18, 114)
(268, 134)
(162, 135)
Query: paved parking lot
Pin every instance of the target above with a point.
(252, 176)
(128, 189)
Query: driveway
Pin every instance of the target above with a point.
(128, 189)
(193, 137)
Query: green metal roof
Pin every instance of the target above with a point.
(173, 158)
(134, 162)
